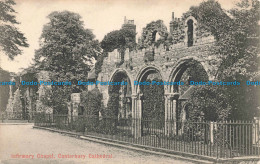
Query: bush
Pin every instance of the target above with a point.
(91, 101)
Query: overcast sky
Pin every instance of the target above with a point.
(102, 16)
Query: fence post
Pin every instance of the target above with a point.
(211, 132)
(256, 130)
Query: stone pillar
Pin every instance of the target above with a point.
(256, 131)
(136, 115)
(134, 98)
(139, 115)
(170, 113)
(167, 115)
(211, 131)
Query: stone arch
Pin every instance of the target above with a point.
(120, 95)
(190, 31)
(121, 70)
(172, 97)
(144, 72)
(138, 101)
(180, 67)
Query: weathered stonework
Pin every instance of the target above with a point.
(169, 63)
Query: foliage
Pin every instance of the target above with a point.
(213, 18)
(149, 34)
(11, 39)
(112, 105)
(40, 117)
(17, 103)
(99, 63)
(237, 46)
(4, 94)
(210, 103)
(121, 40)
(67, 49)
(91, 102)
(195, 72)
(78, 124)
(153, 106)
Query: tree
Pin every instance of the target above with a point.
(119, 39)
(11, 39)
(17, 104)
(91, 102)
(238, 47)
(67, 50)
(5, 89)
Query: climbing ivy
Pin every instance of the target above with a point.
(91, 101)
(153, 101)
(149, 33)
(237, 45)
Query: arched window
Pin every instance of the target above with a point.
(154, 36)
(190, 32)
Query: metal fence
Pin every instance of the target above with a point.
(227, 139)
(17, 116)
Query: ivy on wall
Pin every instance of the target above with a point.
(153, 101)
(149, 33)
(91, 101)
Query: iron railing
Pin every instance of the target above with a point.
(226, 139)
(17, 116)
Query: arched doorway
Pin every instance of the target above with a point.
(149, 101)
(186, 71)
(119, 106)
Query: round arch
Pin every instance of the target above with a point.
(180, 67)
(123, 71)
(144, 72)
(194, 26)
(119, 101)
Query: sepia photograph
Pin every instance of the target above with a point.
(129, 81)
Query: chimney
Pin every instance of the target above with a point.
(172, 16)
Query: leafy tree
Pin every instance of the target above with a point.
(67, 50)
(4, 94)
(210, 103)
(11, 39)
(121, 40)
(238, 47)
(91, 101)
(17, 103)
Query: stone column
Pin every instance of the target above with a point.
(136, 115)
(170, 113)
(139, 115)
(167, 115)
(134, 100)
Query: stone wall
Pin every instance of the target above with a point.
(165, 61)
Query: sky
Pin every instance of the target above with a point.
(102, 16)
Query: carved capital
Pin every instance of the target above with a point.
(174, 96)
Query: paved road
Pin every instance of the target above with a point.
(54, 148)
